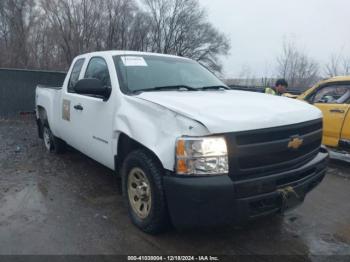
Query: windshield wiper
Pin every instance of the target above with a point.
(214, 87)
(168, 88)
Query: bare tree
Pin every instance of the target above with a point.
(333, 66)
(346, 65)
(4, 33)
(17, 18)
(76, 24)
(294, 65)
(127, 26)
(140, 33)
(338, 65)
(48, 34)
(180, 27)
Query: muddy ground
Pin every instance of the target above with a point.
(69, 204)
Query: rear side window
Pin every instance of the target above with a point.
(98, 69)
(74, 76)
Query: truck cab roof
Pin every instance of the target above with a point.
(124, 52)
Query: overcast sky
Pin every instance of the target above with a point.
(257, 28)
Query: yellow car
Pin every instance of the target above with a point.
(332, 97)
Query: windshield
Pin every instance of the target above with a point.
(147, 73)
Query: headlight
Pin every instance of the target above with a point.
(201, 156)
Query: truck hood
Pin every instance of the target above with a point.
(234, 111)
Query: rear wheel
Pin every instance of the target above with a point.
(52, 143)
(47, 136)
(143, 191)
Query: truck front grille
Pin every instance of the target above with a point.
(263, 152)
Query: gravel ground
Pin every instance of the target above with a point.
(69, 204)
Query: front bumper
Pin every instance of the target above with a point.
(209, 201)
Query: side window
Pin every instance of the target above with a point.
(332, 95)
(74, 76)
(98, 69)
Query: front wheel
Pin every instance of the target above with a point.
(143, 190)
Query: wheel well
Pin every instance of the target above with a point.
(125, 146)
(42, 113)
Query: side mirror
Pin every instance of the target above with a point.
(92, 86)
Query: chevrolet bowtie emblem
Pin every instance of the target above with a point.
(295, 142)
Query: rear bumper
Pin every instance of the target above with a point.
(209, 201)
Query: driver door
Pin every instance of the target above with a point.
(333, 102)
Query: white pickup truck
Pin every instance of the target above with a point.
(190, 152)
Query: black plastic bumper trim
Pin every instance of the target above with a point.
(211, 201)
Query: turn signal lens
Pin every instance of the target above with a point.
(180, 148)
(181, 166)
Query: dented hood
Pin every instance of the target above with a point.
(233, 111)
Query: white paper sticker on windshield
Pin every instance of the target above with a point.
(133, 61)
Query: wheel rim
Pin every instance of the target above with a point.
(47, 140)
(139, 193)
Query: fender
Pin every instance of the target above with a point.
(155, 127)
(45, 98)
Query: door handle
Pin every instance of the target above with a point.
(337, 111)
(78, 107)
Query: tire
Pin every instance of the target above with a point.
(147, 191)
(52, 144)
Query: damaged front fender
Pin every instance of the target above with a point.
(155, 127)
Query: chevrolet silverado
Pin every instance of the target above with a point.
(190, 151)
